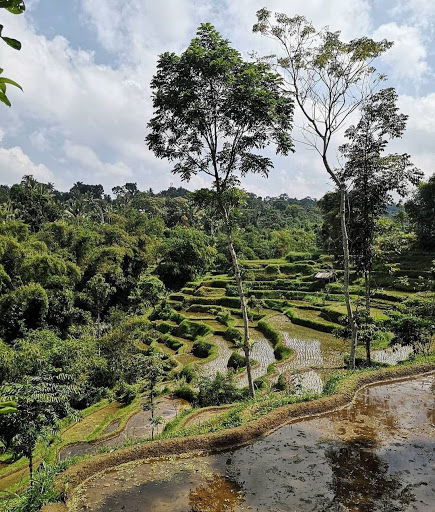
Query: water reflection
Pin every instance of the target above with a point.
(361, 481)
(376, 456)
(216, 494)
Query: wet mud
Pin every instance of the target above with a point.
(137, 427)
(376, 455)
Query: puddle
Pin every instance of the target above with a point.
(377, 455)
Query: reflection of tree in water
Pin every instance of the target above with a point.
(368, 417)
(217, 494)
(360, 480)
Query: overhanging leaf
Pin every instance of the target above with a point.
(13, 43)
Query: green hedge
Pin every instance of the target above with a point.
(299, 256)
(172, 343)
(234, 335)
(192, 330)
(202, 348)
(279, 349)
(236, 361)
(308, 322)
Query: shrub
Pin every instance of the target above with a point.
(272, 270)
(192, 330)
(220, 390)
(188, 373)
(124, 393)
(233, 335)
(185, 392)
(202, 348)
(236, 361)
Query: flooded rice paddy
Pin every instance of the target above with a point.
(138, 426)
(376, 455)
(262, 352)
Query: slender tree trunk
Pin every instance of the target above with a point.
(367, 299)
(346, 268)
(246, 347)
(31, 468)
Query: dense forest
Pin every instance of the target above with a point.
(129, 305)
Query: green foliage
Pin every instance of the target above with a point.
(280, 350)
(124, 393)
(301, 256)
(22, 309)
(220, 390)
(42, 492)
(188, 373)
(15, 7)
(8, 407)
(149, 292)
(234, 335)
(186, 393)
(236, 361)
(421, 210)
(186, 254)
(192, 330)
(202, 348)
(272, 270)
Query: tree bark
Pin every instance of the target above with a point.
(31, 468)
(368, 311)
(346, 267)
(246, 347)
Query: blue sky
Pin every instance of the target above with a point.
(85, 67)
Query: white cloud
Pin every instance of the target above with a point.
(407, 58)
(87, 121)
(14, 164)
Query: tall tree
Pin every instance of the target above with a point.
(421, 210)
(330, 79)
(374, 176)
(213, 112)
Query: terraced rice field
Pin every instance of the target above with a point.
(262, 352)
(219, 363)
(393, 355)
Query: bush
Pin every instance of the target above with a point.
(188, 373)
(220, 390)
(124, 393)
(300, 256)
(192, 330)
(186, 393)
(202, 348)
(234, 335)
(236, 361)
(272, 270)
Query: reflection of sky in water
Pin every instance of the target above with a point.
(374, 456)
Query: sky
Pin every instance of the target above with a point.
(85, 68)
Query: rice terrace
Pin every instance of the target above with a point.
(217, 256)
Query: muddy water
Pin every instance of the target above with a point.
(377, 455)
(137, 426)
